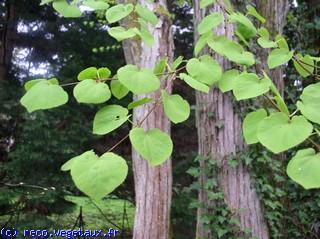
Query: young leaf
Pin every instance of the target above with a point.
(65, 9)
(103, 73)
(118, 90)
(118, 12)
(68, 165)
(194, 83)
(139, 82)
(138, 103)
(175, 107)
(205, 3)
(209, 22)
(161, 66)
(227, 80)
(96, 5)
(99, 177)
(252, 11)
(266, 43)
(29, 84)
(310, 104)
(177, 62)
(278, 133)
(109, 118)
(245, 26)
(89, 73)
(145, 35)
(120, 33)
(248, 85)
(250, 125)
(154, 146)
(304, 168)
(304, 65)
(44, 95)
(146, 14)
(205, 70)
(279, 57)
(202, 42)
(91, 92)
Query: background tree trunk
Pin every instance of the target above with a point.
(153, 185)
(221, 143)
(275, 12)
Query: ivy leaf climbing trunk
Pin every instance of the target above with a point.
(153, 185)
(275, 11)
(220, 138)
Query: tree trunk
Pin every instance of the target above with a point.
(7, 34)
(221, 143)
(153, 185)
(275, 12)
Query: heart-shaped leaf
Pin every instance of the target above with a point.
(66, 9)
(310, 104)
(29, 84)
(96, 5)
(278, 133)
(88, 73)
(304, 168)
(205, 3)
(154, 146)
(194, 83)
(109, 118)
(278, 57)
(209, 22)
(97, 177)
(227, 80)
(304, 65)
(118, 90)
(120, 33)
(205, 70)
(175, 107)
(139, 82)
(118, 12)
(250, 125)
(146, 14)
(44, 95)
(140, 102)
(91, 92)
(88, 155)
(248, 85)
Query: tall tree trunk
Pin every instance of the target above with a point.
(275, 12)
(220, 143)
(8, 30)
(153, 185)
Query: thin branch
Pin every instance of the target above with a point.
(314, 144)
(272, 102)
(12, 185)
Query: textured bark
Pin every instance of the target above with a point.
(275, 12)
(220, 143)
(153, 185)
(7, 35)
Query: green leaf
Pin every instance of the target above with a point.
(120, 33)
(97, 177)
(194, 83)
(88, 155)
(65, 9)
(44, 95)
(310, 104)
(245, 26)
(118, 12)
(29, 84)
(205, 3)
(43, 2)
(304, 168)
(96, 5)
(282, 43)
(103, 73)
(248, 85)
(177, 63)
(118, 90)
(154, 145)
(161, 66)
(252, 11)
(250, 125)
(109, 118)
(202, 42)
(140, 102)
(91, 92)
(227, 80)
(175, 107)
(278, 57)
(205, 70)
(266, 43)
(305, 65)
(278, 133)
(139, 82)
(145, 35)
(209, 22)
(89, 73)
(146, 14)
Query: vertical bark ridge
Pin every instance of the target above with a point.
(220, 143)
